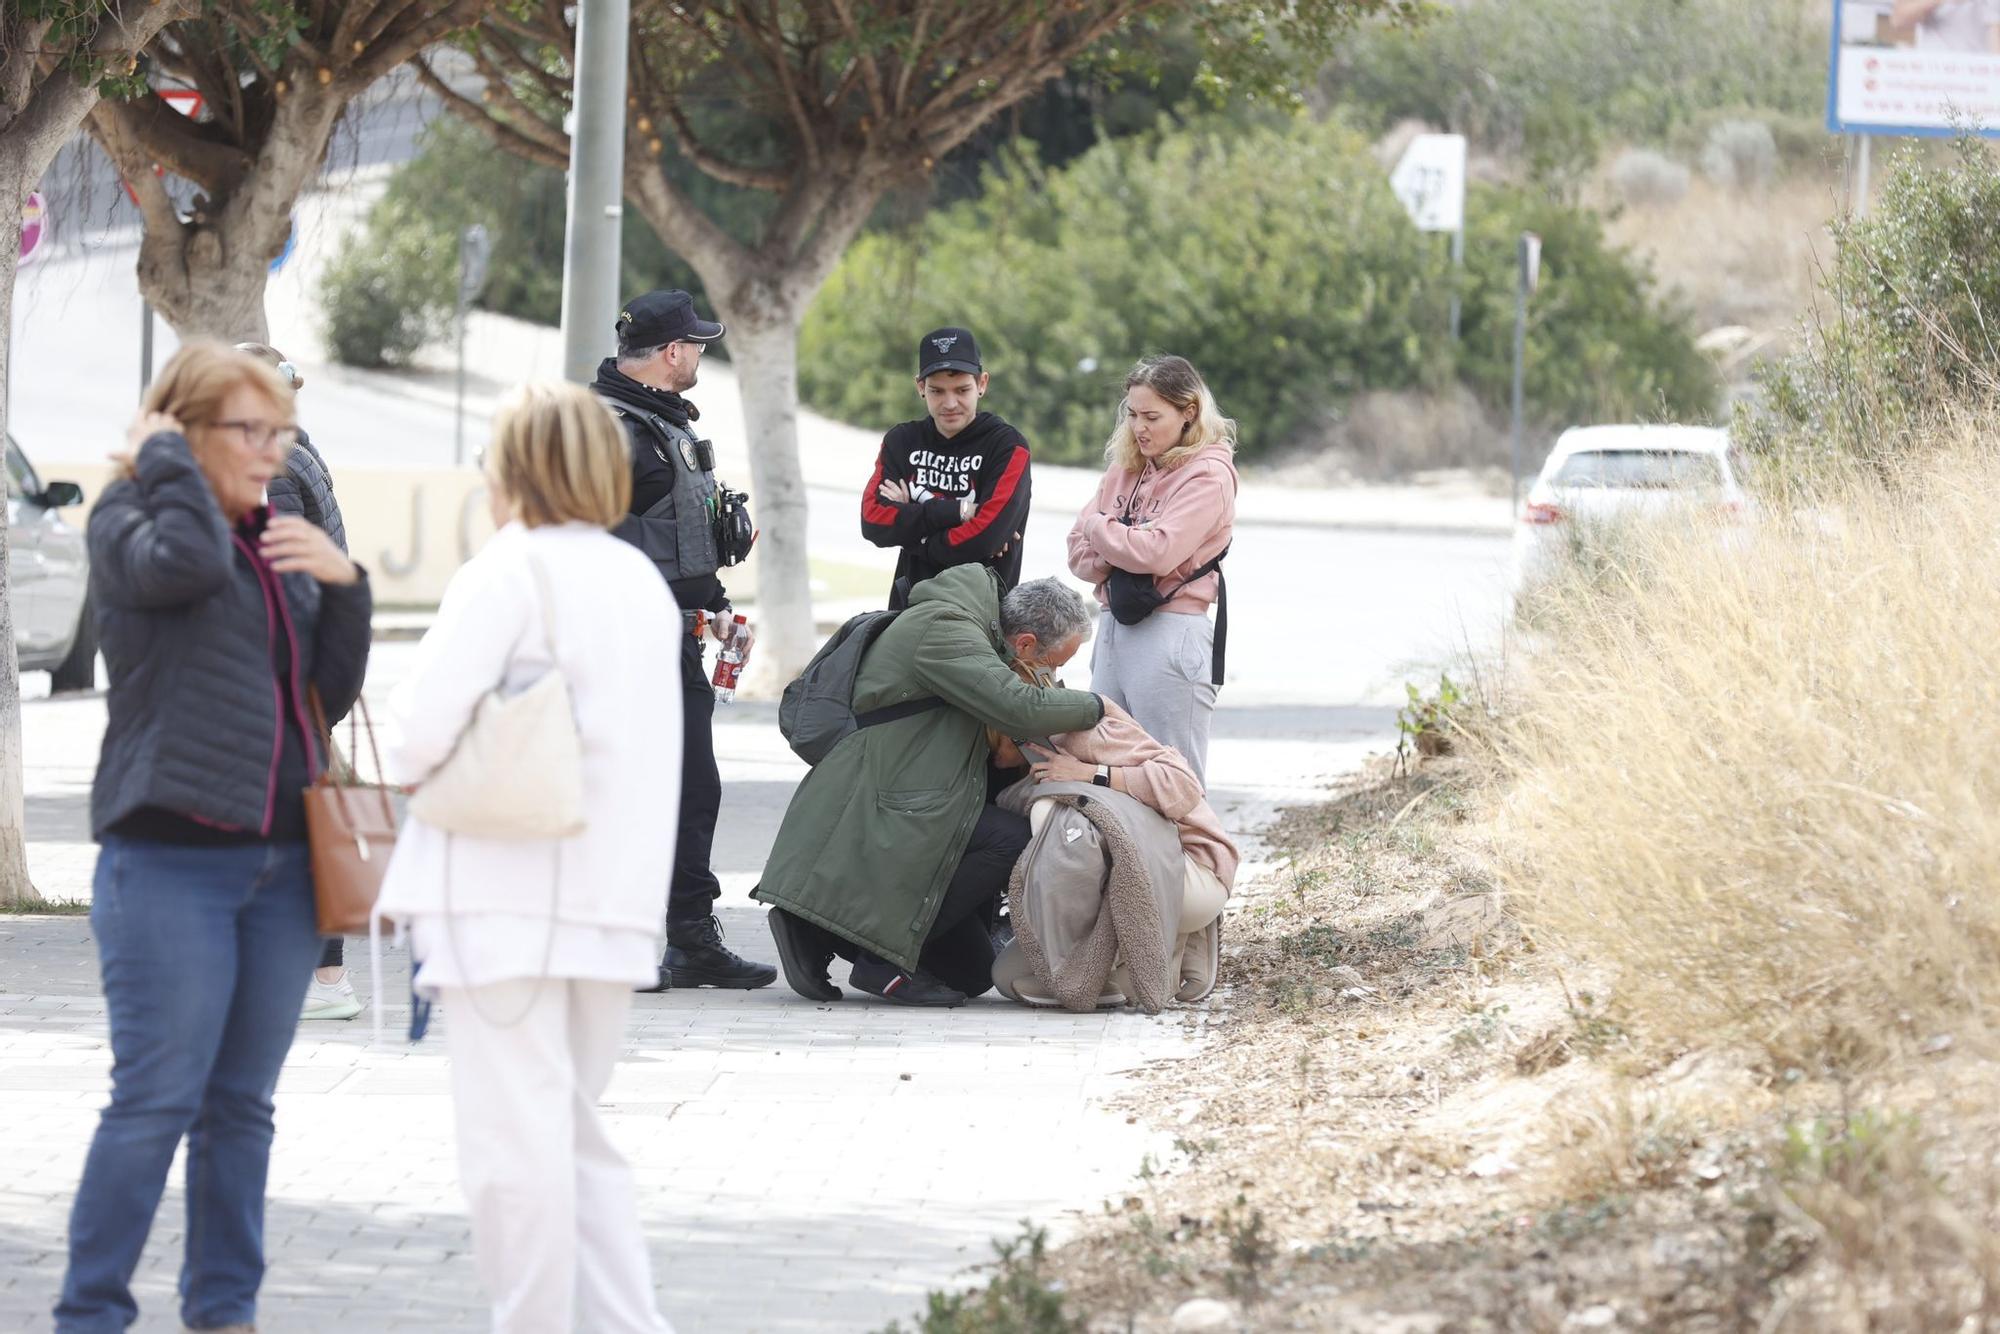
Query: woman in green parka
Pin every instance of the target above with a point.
(889, 840)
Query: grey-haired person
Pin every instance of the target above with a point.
(305, 488)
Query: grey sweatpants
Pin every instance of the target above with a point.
(1158, 672)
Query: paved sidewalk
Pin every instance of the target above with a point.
(801, 1167)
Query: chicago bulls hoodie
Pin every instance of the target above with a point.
(988, 461)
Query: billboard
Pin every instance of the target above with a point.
(1924, 67)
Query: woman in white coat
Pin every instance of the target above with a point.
(534, 946)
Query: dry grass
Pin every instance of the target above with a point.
(1736, 257)
(1755, 778)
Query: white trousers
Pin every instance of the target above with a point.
(555, 1217)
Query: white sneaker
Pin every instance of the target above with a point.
(331, 1000)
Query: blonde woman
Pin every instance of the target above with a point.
(534, 946)
(217, 619)
(1151, 542)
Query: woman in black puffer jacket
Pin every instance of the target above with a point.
(217, 620)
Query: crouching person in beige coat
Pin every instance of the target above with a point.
(1120, 756)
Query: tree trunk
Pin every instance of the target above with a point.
(206, 275)
(764, 349)
(207, 281)
(15, 884)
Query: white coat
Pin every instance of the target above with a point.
(616, 631)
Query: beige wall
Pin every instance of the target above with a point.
(411, 527)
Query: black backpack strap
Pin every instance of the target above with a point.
(1221, 624)
(1213, 566)
(890, 713)
(1202, 571)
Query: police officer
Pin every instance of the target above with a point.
(691, 528)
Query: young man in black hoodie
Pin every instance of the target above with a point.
(950, 488)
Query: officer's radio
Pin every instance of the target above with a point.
(734, 534)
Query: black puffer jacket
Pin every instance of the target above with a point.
(188, 614)
(305, 488)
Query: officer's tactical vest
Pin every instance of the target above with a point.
(678, 532)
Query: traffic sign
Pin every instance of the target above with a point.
(1430, 180)
(184, 100)
(34, 224)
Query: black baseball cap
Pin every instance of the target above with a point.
(659, 318)
(948, 350)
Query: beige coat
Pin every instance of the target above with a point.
(1097, 945)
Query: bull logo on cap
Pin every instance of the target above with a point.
(943, 345)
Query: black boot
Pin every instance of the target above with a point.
(805, 950)
(880, 978)
(696, 957)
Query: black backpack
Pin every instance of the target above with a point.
(817, 712)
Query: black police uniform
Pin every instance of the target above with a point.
(678, 519)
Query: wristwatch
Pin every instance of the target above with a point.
(1103, 776)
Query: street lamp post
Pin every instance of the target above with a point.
(1530, 277)
(596, 186)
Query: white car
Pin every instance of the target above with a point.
(1598, 477)
(48, 578)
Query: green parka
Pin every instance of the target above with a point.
(875, 831)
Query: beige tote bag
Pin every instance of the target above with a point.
(517, 770)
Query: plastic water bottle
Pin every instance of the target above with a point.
(729, 666)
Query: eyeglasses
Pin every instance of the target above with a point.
(261, 435)
(698, 347)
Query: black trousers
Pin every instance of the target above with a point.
(959, 949)
(692, 892)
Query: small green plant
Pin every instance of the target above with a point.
(46, 908)
(1251, 1250)
(1319, 944)
(1295, 997)
(1583, 1218)
(1596, 1029)
(1486, 1024)
(1424, 725)
(1021, 1298)
(1857, 1152)
(1194, 1150)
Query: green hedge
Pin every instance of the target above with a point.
(1275, 258)
(1636, 69)
(1913, 335)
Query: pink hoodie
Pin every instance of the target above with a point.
(1182, 517)
(1156, 775)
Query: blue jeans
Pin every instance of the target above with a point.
(206, 953)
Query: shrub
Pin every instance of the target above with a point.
(389, 290)
(1914, 291)
(1600, 347)
(1020, 1299)
(1275, 257)
(1646, 179)
(1800, 141)
(1279, 262)
(1635, 69)
(1740, 155)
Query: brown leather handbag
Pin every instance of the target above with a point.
(350, 828)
